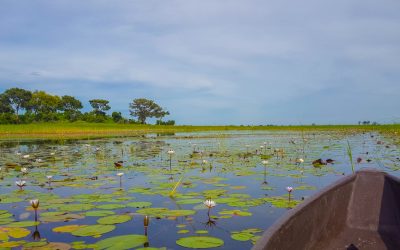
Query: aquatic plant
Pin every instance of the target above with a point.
(170, 153)
(35, 205)
(20, 184)
(120, 174)
(350, 155)
(174, 190)
(289, 189)
(209, 204)
(49, 178)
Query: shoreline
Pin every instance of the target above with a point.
(83, 130)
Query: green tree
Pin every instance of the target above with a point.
(18, 99)
(117, 116)
(144, 108)
(70, 103)
(44, 106)
(5, 106)
(100, 106)
(71, 106)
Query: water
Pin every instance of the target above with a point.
(227, 163)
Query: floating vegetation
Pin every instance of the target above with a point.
(215, 190)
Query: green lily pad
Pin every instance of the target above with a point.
(139, 204)
(23, 224)
(189, 201)
(111, 206)
(114, 219)
(122, 242)
(242, 236)
(14, 232)
(99, 213)
(67, 228)
(200, 242)
(93, 230)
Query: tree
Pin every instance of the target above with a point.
(5, 106)
(143, 108)
(117, 116)
(71, 106)
(18, 99)
(70, 103)
(44, 105)
(100, 106)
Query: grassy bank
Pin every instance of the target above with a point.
(94, 130)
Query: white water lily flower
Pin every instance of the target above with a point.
(299, 160)
(49, 177)
(39, 160)
(52, 153)
(120, 174)
(26, 156)
(24, 170)
(210, 203)
(34, 203)
(171, 152)
(205, 161)
(289, 189)
(264, 162)
(20, 183)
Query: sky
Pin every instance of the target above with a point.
(212, 62)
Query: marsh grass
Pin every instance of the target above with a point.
(350, 155)
(84, 130)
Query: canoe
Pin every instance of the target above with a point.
(360, 211)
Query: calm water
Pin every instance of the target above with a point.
(224, 166)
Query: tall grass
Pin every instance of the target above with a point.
(84, 130)
(350, 154)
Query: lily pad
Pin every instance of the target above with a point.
(93, 230)
(99, 213)
(122, 242)
(200, 242)
(139, 204)
(111, 206)
(67, 228)
(114, 219)
(23, 224)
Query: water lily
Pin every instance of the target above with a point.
(289, 189)
(52, 153)
(39, 160)
(24, 170)
(264, 162)
(20, 183)
(35, 204)
(146, 221)
(49, 178)
(209, 203)
(120, 174)
(170, 153)
(25, 156)
(205, 161)
(299, 161)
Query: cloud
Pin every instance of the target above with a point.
(239, 58)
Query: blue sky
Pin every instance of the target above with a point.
(212, 62)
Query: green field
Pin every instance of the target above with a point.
(83, 130)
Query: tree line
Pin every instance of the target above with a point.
(23, 106)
